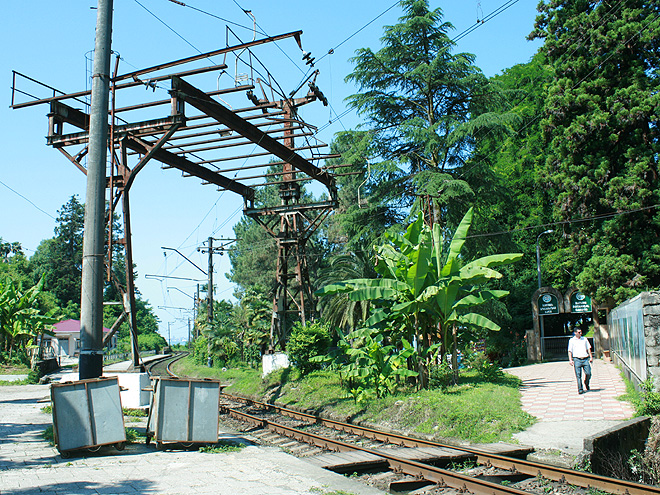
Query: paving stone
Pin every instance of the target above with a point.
(24, 457)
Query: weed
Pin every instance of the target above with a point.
(462, 466)
(47, 409)
(648, 401)
(222, 447)
(320, 490)
(4, 383)
(506, 482)
(595, 491)
(133, 436)
(135, 413)
(49, 435)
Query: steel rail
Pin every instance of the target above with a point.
(150, 366)
(437, 475)
(578, 478)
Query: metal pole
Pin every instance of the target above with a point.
(90, 364)
(209, 297)
(209, 290)
(538, 254)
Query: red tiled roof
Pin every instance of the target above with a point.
(70, 326)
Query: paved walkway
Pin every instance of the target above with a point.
(549, 393)
(29, 465)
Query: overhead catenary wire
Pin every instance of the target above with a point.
(168, 26)
(28, 200)
(249, 28)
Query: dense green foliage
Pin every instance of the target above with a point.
(600, 124)
(46, 289)
(307, 341)
(425, 292)
(425, 105)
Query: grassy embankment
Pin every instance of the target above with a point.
(475, 410)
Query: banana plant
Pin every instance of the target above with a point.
(20, 318)
(427, 291)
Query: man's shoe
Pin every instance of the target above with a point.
(587, 386)
(580, 392)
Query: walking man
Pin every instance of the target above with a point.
(580, 357)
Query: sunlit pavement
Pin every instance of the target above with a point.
(565, 418)
(29, 465)
(549, 392)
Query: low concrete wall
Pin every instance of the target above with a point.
(47, 366)
(609, 450)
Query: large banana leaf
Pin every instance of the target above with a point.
(474, 320)
(417, 274)
(480, 298)
(495, 260)
(458, 240)
(372, 293)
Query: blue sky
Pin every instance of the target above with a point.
(51, 42)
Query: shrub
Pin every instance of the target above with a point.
(306, 342)
(200, 350)
(440, 375)
(647, 403)
(487, 370)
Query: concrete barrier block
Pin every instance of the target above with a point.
(273, 362)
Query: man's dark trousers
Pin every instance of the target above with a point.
(579, 365)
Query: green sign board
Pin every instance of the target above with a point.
(580, 303)
(548, 304)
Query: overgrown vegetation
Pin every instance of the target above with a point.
(426, 293)
(134, 436)
(49, 435)
(434, 413)
(646, 400)
(45, 289)
(222, 447)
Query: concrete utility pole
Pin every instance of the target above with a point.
(209, 291)
(91, 306)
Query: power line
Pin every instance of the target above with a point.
(168, 26)
(215, 16)
(332, 50)
(26, 199)
(248, 13)
(488, 17)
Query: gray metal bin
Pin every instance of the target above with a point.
(87, 414)
(184, 411)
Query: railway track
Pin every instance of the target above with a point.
(351, 439)
(162, 367)
(389, 450)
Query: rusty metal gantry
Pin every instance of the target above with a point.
(195, 138)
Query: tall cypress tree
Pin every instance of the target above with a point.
(600, 121)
